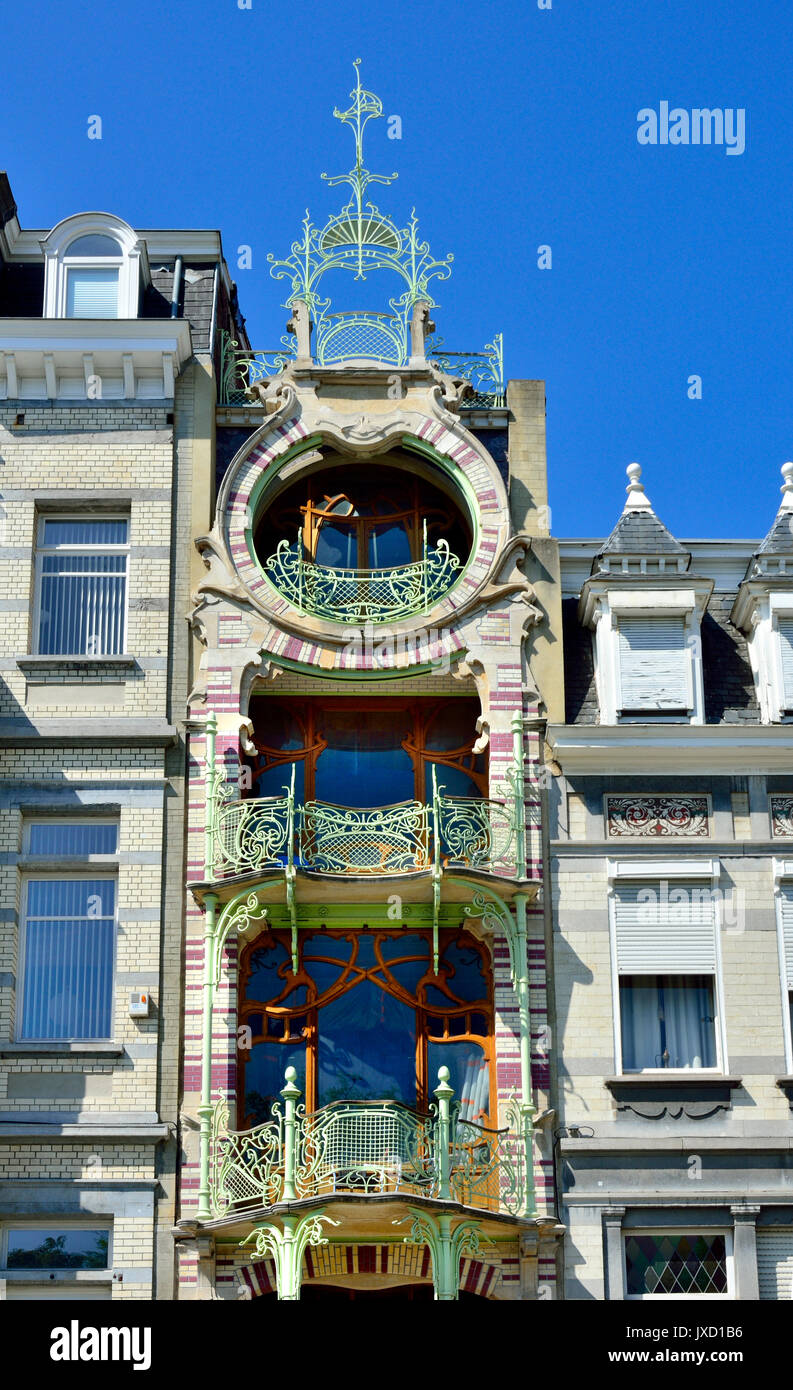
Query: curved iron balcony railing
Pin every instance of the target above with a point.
(362, 595)
(371, 1148)
(266, 833)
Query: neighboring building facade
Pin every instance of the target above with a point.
(673, 951)
(106, 437)
(395, 899)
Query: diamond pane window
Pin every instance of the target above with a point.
(684, 1264)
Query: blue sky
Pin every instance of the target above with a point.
(518, 130)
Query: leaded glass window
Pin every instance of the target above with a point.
(683, 1263)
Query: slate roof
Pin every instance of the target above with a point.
(641, 533)
(780, 538)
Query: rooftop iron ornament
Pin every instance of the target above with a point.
(358, 239)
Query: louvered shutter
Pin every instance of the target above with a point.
(665, 927)
(654, 663)
(775, 1264)
(786, 650)
(787, 930)
(92, 293)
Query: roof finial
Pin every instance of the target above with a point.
(637, 499)
(786, 505)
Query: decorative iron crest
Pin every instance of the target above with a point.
(360, 239)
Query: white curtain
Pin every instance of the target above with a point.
(667, 1022)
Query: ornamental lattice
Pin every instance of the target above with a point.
(658, 816)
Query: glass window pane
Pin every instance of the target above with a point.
(71, 531)
(265, 982)
(388, 545)
(680, 1264)
(469, 1076)
(82, 604)
(364, 763)
(34, 1248)
(94, 244)
(667, 1021)
(68, 959)
(57, 838)
(464, 975)
(91, 293)
(264, 1076)
(337, 547)
(366, 1047)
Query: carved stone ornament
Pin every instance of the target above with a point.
(658, 816)
(782, 817)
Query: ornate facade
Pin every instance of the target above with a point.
(398, 926)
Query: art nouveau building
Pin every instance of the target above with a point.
(365, 996)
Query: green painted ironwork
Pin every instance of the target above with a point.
(385, 840)
(447, 1243)
(254, 834)
(358, 239)
(362, 595)
(260, 835)
(285, 1243)
(484, 370)
(241, 369)
(367, 1148)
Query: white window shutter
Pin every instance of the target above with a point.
(786, 651)
(787, 930)
(665, 927)
(654, 664)
(92, 293)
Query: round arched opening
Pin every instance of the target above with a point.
(356, 540)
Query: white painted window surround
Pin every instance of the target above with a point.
(770, 639)
(665, 919)
(93, 268)
(783, 896)
(648, 656)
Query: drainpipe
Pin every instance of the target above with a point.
(210, 921)
(177, 285)
(527, 1108)
(205, 1108)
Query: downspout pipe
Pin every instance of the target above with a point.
(205, 1108)
(177, 287)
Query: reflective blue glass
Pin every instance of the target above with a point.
(69, 938)
(469, 1075)
(264, 1076)
(367, 1047)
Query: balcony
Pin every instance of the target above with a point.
(362, 595)
(262, 834)
(373, 1148)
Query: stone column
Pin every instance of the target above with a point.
(615, 1258)
(747, 1284)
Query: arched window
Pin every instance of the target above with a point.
(359, 752)
(362, 517)
(365, 1018)
(92, 265)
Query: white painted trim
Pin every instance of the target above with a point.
(671, 749)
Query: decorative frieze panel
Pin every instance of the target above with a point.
(658, 816)
(782, 817)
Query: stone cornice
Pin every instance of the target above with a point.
(86, 360)
(671, 749)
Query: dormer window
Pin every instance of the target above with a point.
(92, 264)
(95, 268)
(763, 610)
(646, 610)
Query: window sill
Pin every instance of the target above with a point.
(34, 662)
(676, 1079)
(672, 1095)
(60, 1049)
